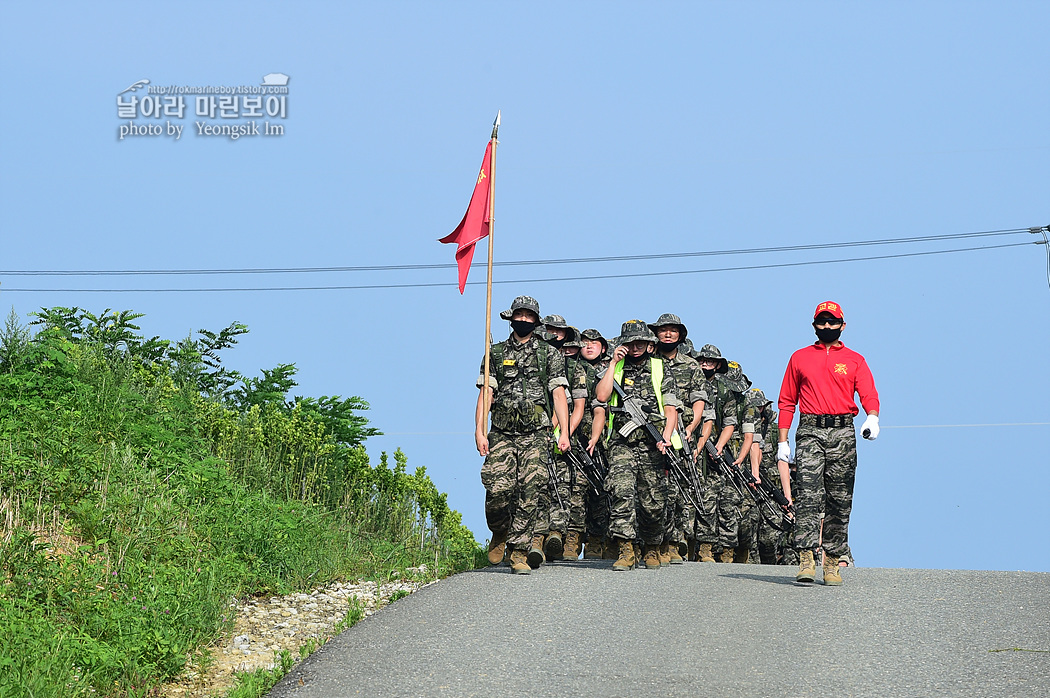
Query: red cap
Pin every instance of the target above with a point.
(828, 307)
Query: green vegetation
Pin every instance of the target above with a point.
(142, 484)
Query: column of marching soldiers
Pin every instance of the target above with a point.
(642, 450)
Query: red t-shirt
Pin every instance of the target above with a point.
(822, 380)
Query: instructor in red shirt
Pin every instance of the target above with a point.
(822, 379)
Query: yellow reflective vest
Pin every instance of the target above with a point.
(656, 370)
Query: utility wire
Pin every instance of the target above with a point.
(517, 281)
(1038, 231)
(513, 263)
(953, 426)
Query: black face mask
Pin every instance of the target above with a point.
(523, 328)
(828, 335)
(708, 372)
(557, 343)
(667, 347)
(636, 359)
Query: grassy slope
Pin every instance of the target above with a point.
(133, 507)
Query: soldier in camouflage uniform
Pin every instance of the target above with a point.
(595, 352)
(555, 330)
(527, 385)
(770, 542)
(822, 380)
(637, 475)
(719, 523)
(740, 445)
(691, 389)
(563, 528)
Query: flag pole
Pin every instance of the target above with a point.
(488, 279)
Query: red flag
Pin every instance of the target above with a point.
(475, 223)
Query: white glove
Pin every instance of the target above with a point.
(783, 451)
(870, 429)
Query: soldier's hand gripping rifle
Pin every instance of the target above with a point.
(775, 508)
(639, 418)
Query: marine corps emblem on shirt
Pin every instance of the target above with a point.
(840, 368)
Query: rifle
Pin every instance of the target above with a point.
(639, 414)
(771, 502)
(690, 460)
(552, 477)
(587, 466)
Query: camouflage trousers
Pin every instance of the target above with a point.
(771, 543)
(826, 459)
(572, 491)
(750, 523)
(720, 520)
(681, 514)
(514, 475)
(637, 485)
(597, 515)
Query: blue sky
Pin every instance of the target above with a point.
(627, 129)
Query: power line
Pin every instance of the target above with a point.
(953, 426)
(513, 263)
(1042, 231)
(596, 277)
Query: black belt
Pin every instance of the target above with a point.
(826, 421)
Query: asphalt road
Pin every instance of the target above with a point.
(579, 629)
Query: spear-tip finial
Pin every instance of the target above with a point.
(495, 124)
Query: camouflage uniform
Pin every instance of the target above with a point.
(826, 460)
(597, 505)
(720, 525)
(747, 419)
(515, 473)
(690, 387)
(637, 479)
(770, 543)
(571, 485)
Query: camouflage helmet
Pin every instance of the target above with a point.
(635, 331)
(670, 319)
(526, 302)
(710, 351)
(735, 379)
(757, 398)
(572, 339)
(592, 335)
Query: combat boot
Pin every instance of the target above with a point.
(703, 551)
(518, 563)
(497, 547)
(674, 552)
(595, 549)
(535, 556)
(741, 555)
(665, 554)
(807, 568)
(832, 576)
(611, 550)
(652, 557)
(554, 546)
(572, 546)
(637, 551)
(726, 555)
(627, 560)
